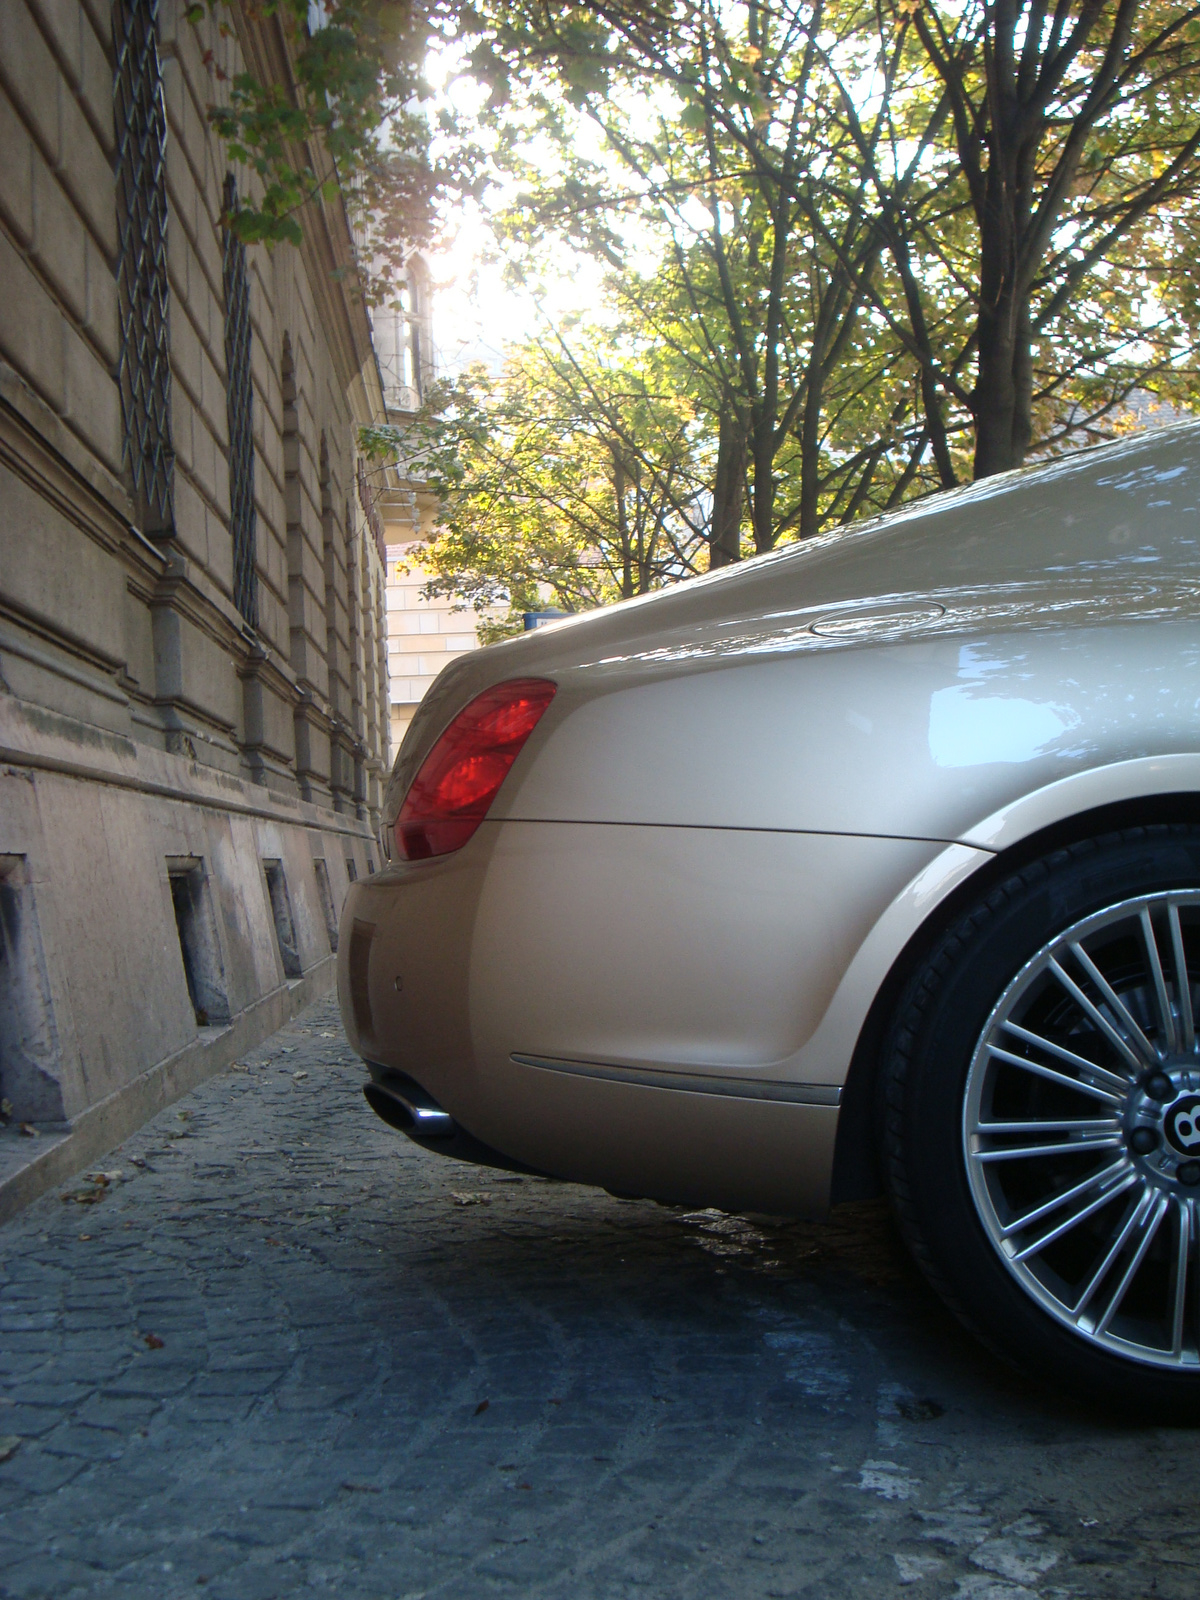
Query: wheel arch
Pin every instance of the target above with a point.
(856, 1167)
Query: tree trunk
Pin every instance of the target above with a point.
(762, 501)
(729, 490)
(627, 584)
(994, 402)
(1002, 401)
(809, 434)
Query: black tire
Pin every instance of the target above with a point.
(936, 1053)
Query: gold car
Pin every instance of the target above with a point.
(874, 862)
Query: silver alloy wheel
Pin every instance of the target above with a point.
(1081, 1128)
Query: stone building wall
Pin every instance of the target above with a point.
(185, 792)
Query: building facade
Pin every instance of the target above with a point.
(194, 709)
(423, 633)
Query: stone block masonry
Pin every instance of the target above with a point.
(190, 772)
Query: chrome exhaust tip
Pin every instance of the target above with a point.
(404, 1104)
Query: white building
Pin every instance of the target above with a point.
(423, 635)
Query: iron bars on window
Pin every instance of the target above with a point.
(239, 408)
(368, 501)
(144, 368)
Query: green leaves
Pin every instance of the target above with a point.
(716, 175)
(841, 241)
(346, 108)
(573, 480)
(1092, 165)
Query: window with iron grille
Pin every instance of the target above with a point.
(368, 500)
(239, 408)
(144, 369)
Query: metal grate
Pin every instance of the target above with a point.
(144, 368)
(239, 408)
(367, 500)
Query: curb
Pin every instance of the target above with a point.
(56, 1156)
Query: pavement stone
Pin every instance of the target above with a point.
(287, 1353)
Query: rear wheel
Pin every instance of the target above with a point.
(1042, 1133)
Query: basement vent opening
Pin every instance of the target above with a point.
(326, 893)
(198, 942)
(281, 912)
(29, 1051)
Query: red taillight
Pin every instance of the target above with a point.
(459, 778)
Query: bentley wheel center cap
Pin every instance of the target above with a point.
(1181, 1124)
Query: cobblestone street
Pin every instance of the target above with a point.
(273, 1349)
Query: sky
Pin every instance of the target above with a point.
(475, 311)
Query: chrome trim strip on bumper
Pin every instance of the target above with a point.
(805, 1094)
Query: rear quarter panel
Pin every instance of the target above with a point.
(917, 739)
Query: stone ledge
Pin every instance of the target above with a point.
(37, 738)
(57, 436)
(29, 1167)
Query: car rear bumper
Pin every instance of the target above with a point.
(625, 1006)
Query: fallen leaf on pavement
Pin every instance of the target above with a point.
(84, 1237)
(10, 1443)
(482, 1407)
(152, 1341)
(28, 1129)
(475, 1197)
(920, 1410)
(299, 1074)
